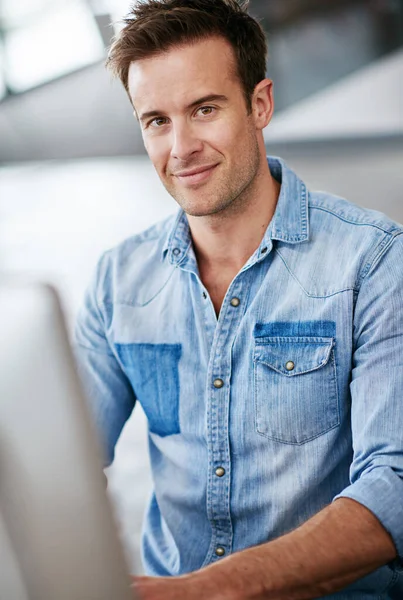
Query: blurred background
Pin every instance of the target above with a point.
(74, 178)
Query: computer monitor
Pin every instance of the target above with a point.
(58, 539)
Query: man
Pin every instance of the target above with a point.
(261, 330)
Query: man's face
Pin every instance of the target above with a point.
(195, 124)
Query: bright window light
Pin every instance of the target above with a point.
(14, 14)
(61, 41)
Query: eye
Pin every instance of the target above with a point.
(206, 111)
(158, 122)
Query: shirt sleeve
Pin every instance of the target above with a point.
(108, 390)
(376, 472)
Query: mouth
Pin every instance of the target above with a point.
(195, 176)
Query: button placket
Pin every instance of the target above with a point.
(218, 405)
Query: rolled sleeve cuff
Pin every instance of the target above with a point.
(381, 491)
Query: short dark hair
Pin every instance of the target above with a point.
(154, 26)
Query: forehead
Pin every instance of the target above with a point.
(183, 73)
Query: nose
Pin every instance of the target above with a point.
(185, 142)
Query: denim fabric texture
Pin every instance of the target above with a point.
(310, 407)
(153, 372)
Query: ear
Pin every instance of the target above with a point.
(263, 103)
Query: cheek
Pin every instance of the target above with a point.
(229, 138)
(158, 152)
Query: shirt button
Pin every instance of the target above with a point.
(220, 472)
(220, 551)
(176, 251)
(235, 302)
(218, 383)
(290, 366)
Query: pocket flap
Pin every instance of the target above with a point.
(292, 356)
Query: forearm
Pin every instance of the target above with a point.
(336, 547)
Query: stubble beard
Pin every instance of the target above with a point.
(228, 194)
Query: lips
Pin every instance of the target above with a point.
(194, 176)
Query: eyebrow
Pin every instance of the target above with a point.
(203, 100)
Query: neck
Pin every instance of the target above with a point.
(230, 237)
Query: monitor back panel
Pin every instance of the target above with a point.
(53, 504)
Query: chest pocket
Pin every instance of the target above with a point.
(153, 372)
(295, 388)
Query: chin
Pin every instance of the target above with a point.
(199, 209)
(194, 212)
(205, 213)
(202, 202)
(195, 205)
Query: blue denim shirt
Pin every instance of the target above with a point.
(291, 398)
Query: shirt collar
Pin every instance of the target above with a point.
(290, 222)
(179, 240)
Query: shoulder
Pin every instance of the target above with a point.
(358, 235)
(328, 207)
(135, 266)
(345, 242)
(139, 244)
